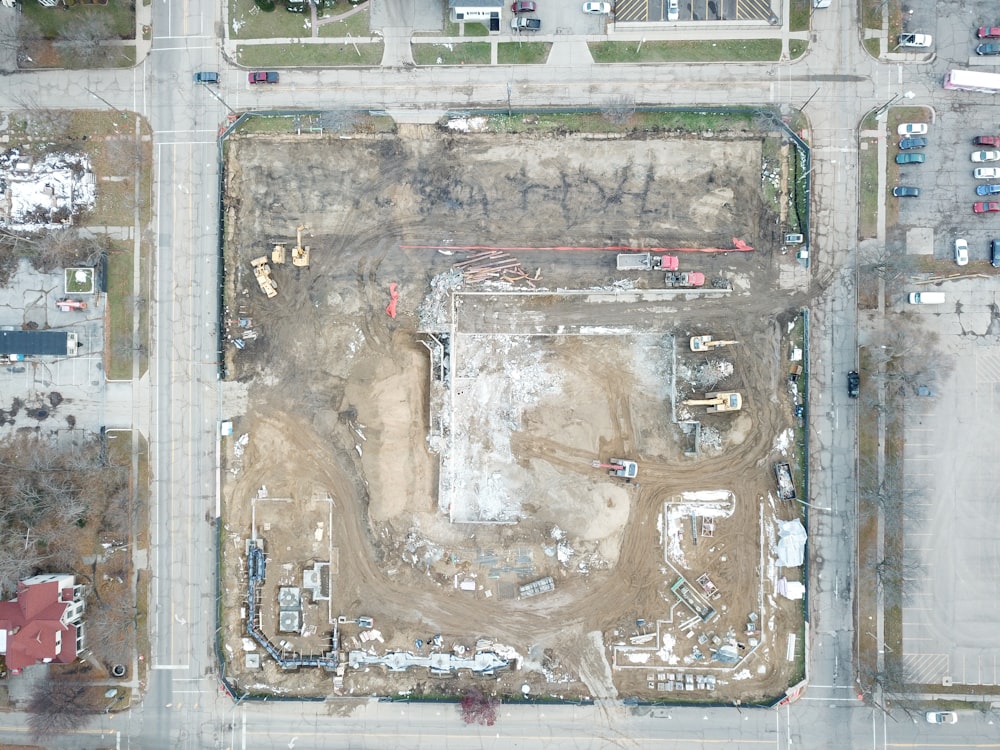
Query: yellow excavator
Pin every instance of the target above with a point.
(300, 254)
(718, 401)
(705, 343)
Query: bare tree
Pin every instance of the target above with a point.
(111, 623)
(24, 37)
(618, 110)
(81, 42)
(58, 705)
(897, 571)
(478, 708)
(887, 492)
(886, 264)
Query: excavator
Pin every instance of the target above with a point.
(718, 401)
(705, 343)
(300, 254)
(618, 467)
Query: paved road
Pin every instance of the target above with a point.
(183, 707)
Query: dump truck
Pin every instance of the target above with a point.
(646, 262)
(262, 272)
(783, 475)
(685, 279)
(706, 343)
(718, 401)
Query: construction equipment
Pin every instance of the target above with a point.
(619, 467)
(646, 262)
(300, 255)
(718, 401)
(278, 254)
(684, 279)
(705, 343)
(783, 475)
(66, 305)
(262, 272)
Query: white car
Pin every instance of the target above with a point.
(673, 10)
(986, 173)
(941, 717)
(961, 252)
(986, 156)
(912, 128)
(598, 9)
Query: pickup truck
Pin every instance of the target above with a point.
(921, 41)
(262, 76)
(525, 24)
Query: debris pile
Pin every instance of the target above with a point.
(46, 192)
(495, 265)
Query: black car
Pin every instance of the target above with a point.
(995, 253)
(853, 383)
(905, 191)
(908, 143)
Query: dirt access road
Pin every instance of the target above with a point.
(339, 397)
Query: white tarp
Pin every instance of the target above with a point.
(791, 546)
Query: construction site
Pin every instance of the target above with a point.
(523, 409)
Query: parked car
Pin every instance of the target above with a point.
(853, 383)
(986, 173)
(903, 191)
(995, 253)
(912, 128)
(992, 141)
(794, 238)
(984, 207)
(988, 32)
(206, 77)
(914, 40)
(941, 717)
(908, 143)
(519, 23)
(988, 49)
(523, 6)
(598, 9)
(961, 252)
(262, 76)
(987, 189)
(981, 156)
(910, 158)
(673, 10)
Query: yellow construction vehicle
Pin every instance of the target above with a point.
(300, 254)
(718, 401)
(278, 254)
(262, 272)
(705, 343)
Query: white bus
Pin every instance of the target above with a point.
(972, 80)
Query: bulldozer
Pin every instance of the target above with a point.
(300, 254)
(705, 343)
(278, 254)
(262, 272)
(718, 401)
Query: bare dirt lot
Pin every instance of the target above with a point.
(453, 485)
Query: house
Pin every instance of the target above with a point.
(486, 12)
(43, 623)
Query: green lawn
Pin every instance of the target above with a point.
(873, 47)
(247, 21)
(522, 53)
(120, 308)
(309, 55)
(73, 286)
(52, 21)
(719, 51)
(797, 48)
(799, 12)
(466, 53)
(867, 220)
(591, 122)
(356, 25)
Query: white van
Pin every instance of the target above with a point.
(926, 298)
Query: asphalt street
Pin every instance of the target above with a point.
(183, 708)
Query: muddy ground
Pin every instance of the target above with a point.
(339, 406)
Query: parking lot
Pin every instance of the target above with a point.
(950, 604)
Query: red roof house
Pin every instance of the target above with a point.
(43, 623)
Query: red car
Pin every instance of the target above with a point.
(986, 208)
(262, 76)
(523, 6)
(988, 32)
(987, 140)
